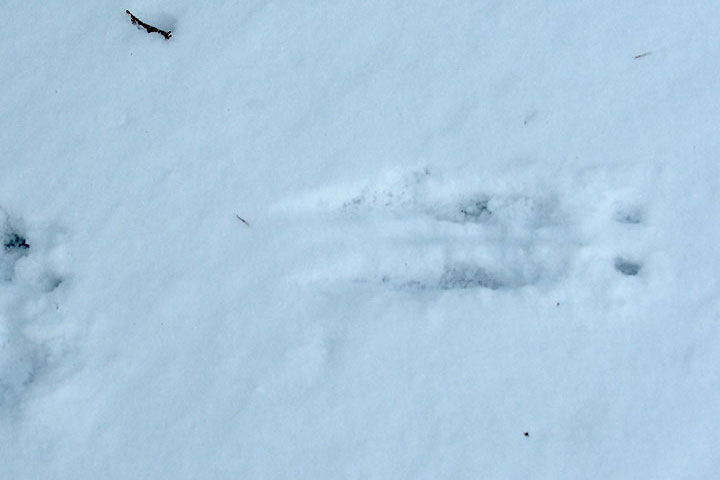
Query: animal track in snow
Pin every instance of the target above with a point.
(627, 267)
(426, 231)
(628, 216)
(30, 272)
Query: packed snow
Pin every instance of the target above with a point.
(374, 239)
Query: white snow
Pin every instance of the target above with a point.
(467, 221)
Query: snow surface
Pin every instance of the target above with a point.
(467, 221)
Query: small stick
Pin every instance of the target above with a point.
(242, 220)
(642, 55)
(149, 28)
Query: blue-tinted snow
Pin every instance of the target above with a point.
(468, 220)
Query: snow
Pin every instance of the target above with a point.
(466, 221)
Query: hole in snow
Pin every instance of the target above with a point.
(627, 267)
(630, 215)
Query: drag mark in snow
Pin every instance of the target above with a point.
(434, 232)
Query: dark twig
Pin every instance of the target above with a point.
(150, 29)
(242, 220)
